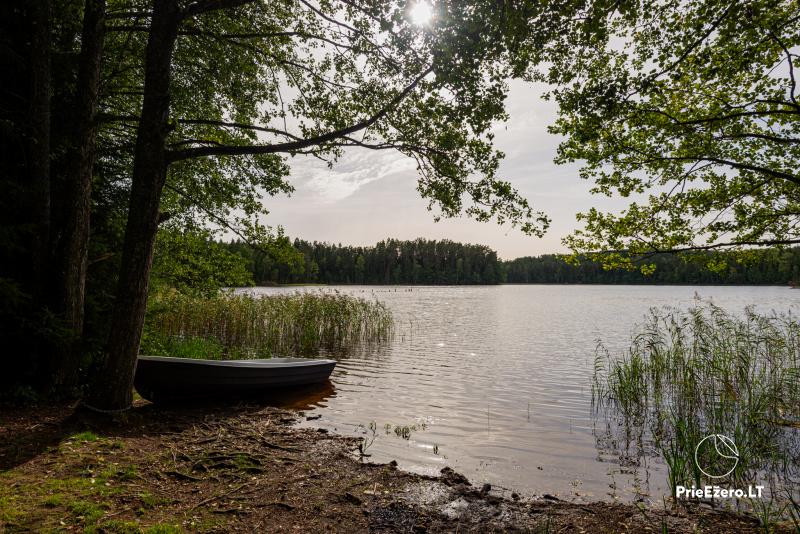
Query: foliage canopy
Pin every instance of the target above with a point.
(254, 82)
(689, 108)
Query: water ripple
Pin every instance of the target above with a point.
(501, 378)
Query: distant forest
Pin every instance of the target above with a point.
(420, 261)
(768, 267)
(424, 261)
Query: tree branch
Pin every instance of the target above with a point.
(232, 150)
(765, 137)
(263, 35)
(241, 126)
(763, 170)
(216, 218)
(793, 82)
(714, 25)
(721, 118)
(128, 14)
(699, 248)
(204, 6)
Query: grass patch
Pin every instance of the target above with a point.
(86, 511)
(9, 510)
(67, 484)
(189, 347)
(132, 527)
(163, 529)
(123, 473)
(150, 501)
(691, 374)
(118, 527)
(84, 437)
(53, 501)
(242, 326)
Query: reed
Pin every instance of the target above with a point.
(705, 371)
(233, 326)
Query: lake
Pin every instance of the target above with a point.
(495, 382)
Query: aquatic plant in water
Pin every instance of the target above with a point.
(705, 371)
(233, 326)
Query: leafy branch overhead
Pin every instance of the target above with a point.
(690, 109)
(254, 82)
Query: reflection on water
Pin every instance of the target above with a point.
(497, 382)
(300, 398)
(307, 397)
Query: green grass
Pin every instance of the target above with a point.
(84, 436)
(163, 529)
(705, 371)
(84, 482)
(131, 527)
(242, 326)
(53, 501)
(86, 511)
(150, 501)
(9, 510)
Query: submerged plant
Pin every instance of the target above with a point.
(366, 442)
(692, 374)
(242, 326)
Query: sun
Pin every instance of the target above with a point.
(421, 13)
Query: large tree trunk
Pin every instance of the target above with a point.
(73, 243)
(39, 141)
(25, 93)
(113, 386)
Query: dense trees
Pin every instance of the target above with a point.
(429, 262)
(690, 108)
(772, 266)
(391, 261)
(194, 264)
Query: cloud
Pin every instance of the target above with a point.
(354, 170)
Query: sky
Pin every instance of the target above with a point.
(371, 195)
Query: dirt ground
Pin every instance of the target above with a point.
(247, 469)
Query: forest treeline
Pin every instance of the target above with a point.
(764, 267)
(445, 262)
(421, 261)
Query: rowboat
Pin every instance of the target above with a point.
(161, 378)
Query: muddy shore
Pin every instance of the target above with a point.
(248, 469)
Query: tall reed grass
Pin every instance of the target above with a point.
(706, 371)
(233, 326)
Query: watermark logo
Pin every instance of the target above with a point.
(716, 456)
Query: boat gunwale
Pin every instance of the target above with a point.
(254, 363)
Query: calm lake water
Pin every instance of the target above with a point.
(495, 381)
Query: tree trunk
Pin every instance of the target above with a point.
(39, 142)
(73, 244)
(113, 386)
(25, 93)
(38, 156)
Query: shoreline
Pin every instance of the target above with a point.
(249, 468)
(643, 284)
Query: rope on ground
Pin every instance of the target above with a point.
(100, 410)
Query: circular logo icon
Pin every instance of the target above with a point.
(716, 456)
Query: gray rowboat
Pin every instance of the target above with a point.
(161, 379)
